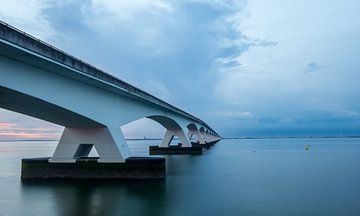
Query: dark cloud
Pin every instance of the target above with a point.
(180, 50)
(312, 67)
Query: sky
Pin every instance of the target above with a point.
(248, 68)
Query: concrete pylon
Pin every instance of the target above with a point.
(202, 133)
(193, 130)
(173, 128)
(109, 143)
(170, 134)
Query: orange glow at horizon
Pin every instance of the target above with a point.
(10, 131)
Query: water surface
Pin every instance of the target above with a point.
(235, 177)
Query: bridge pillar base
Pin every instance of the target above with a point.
(134, 168)
(176, 150)
(204, 145)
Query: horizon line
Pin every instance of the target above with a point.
(247, 137)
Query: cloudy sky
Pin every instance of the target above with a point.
(248, 68)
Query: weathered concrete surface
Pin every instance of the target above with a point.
(176, 150)
(134, 168)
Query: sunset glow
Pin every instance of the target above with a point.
(11, 131)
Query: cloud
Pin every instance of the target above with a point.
(10, 131)
(124, 10)
(157, 88)
(6, 125)
(312, 67)
(287, 120)
(243, 115)
(248, 116)
(27, 16)
(270, 80)
(347, 114)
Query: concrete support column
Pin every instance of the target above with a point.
(169, 135)
(208, 138)
(199, 137)
(203, 135)
(109, 143)
(190, 134)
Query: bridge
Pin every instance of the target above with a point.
(39, 80)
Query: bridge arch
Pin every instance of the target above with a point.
(192, 126)
(173, 128)
(165, 121)
(193, 130)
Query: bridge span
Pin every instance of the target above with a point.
(39, 80)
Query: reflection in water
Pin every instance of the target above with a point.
(100, 198)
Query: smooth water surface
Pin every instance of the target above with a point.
(235, 177)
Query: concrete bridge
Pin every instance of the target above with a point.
(41, 81)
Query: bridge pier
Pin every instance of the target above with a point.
(77, 142)
(71, 158)
(46, 83)
(134, 168)
(194, 131)
(184, 148)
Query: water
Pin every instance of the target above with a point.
(235, 177)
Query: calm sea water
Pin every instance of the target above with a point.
(235, 177)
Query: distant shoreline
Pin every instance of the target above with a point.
(227, 138)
